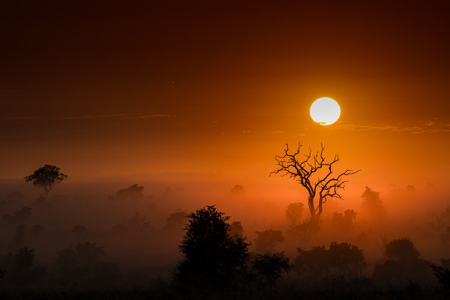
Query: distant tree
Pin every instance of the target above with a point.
(37, 229)
(294, 212)
(133, 192)
(267, 240)
(79, 231)
(18, 240)
(21, 217)
(89, 253)
(67, 259)
(344, 221)
(13, 196)
(46, 178)
(25, 270)
(305, 229)
(120, 228)
(236, 229)
(211, 255)
(305, 170)
(237, 190)
(176, 220)
(372, 205)
(84, 264)
(270, 266)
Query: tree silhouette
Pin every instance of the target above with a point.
(402, 261)
(270, 266)
(341, 259)
(133, 192)
(304, 170)
(372, 204)
(294, 212)
(268, 239)
(211, 255)
(344, 221)
(236, 229)
(46, 177)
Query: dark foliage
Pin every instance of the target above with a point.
(133, 192)
(46, 178)
(24, 271)
(236, 229)
(342, 259)
(267, 240)
(270, 266)
(211, 255)
(402, 262)
(401, 249)
(443, 276)
(344, 221)
(176, 220)
(305, 229)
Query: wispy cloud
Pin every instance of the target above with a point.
(127, 115)
(431, 127)
(92, 117)
(144, 116)
(19, 118)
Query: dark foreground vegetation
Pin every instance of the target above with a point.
(54, 248)
(217, 264)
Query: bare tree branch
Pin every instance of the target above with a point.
(326, 187)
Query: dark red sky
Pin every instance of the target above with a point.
(216, 88)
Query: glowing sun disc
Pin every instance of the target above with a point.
(325, 111)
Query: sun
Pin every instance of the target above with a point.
(325, 111)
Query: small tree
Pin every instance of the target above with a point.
(294, 212)
(211, 255)
(46, 177)
(305, 170)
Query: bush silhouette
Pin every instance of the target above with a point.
(401, 249)
(339, 259)
(270, 266)
(211, 255)
(402, 262)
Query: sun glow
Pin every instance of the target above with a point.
(325, 111)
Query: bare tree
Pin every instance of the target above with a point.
(304, 170)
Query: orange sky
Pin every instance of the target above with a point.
(205, 91)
